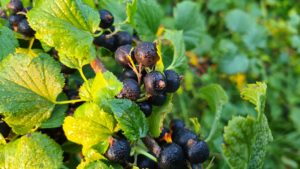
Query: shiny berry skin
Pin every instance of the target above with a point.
(4, 128)
(15, 6)
(106, 41)
(118, 151)
(146, 108)
(129, 74)
(15, 19)
(197, 151)
(158, 99)
(176, 125)
(25, 29)
(171, 157)
(173, 81)
(145, 162)
(107, 19)
(154, 82)
(123, 38)
(182, 136)
(122, 54)
(146, 54)
(131, 89)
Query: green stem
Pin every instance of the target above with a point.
(69, 101)
(31, 44)
(139, 150)
(214, 126)
(82, 74)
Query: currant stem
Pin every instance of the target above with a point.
(82, 74)
(151, 144)
(69, 101)
(139, 150)
(31, 44)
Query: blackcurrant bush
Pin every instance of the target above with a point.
(129, 74)
(15, 19)
(146, 108)
(176, 125)
(182, 136)
(15, 6)
(154, 82)
(107, 19)
(146, 54)
(123, 38)
(173, 81)
(171, 157)
(4, 128)
(118, 151)
(122, 55)
(25, 29)
(106, 41)
(131, 89)
(158, 99)
(144, 162)
(196, 151)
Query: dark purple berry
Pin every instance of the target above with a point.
(4, 128)
(123, 38)
(15, 19)
(145, 162)
(107, 19)
(131, 89)
(154, 82)
(129, 74)
(118, 151)
(197, 151)
(106, 41)
(158, 99)
(25, 29)
(173, 81)
(122, 55)
(182, 136)
(146, 108)
(172, 157)
(146, 54)
(176, 125)
(15, 6)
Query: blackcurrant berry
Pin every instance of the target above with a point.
(196, 151)
(106, 41)
(176, 125)
(182, 136)
(146, 54)
(118, 151)
(129, 74)
(25, 29)
(4, 128)
(107, 19)
(173, 81)
(171, 157)
(154, 82)
(15, 6)
(146, 108)
(15, 19)
(123, 38)
(122, 55)
(131, 89)
(144, 162)
(158, 99)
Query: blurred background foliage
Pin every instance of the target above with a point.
(234, 42)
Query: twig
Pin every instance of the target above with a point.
(98, 66)
(151, 144)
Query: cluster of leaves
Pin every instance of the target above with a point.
(31, 83)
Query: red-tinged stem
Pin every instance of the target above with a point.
(98, 66)
(151, 144)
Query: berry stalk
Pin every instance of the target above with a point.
(152, 145)
(98, 66)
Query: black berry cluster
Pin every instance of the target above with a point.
(16, 18)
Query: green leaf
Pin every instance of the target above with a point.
(256, 94)
(130, 11)
(256, 37)
(91, 3)
(234, 64)
(147, 19)
(96, 151)
(157, 117)
(131, 119)
(29, 88)
(67, 25)
(89, 125)
(188, 19)
(103, 87)
(176, 39)
(216, 98)
(8, 42)
(58, 114)
(33, 151)
(98, 165)
(239, 21)
(2, 140)
(116, 7)
(246, 141)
